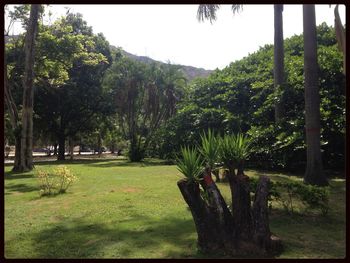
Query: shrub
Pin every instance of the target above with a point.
(288, 193)
(234, 148)
(65, 178)
(45, 182)
(55, 182)
(190, 164)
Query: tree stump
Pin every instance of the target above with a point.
(245, 230)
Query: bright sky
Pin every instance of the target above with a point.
(173, 33)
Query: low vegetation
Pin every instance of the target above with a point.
(119, 209)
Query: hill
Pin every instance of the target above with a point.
(189, 71)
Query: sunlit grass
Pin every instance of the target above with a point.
(118, 209)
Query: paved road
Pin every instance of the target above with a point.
(43, 157)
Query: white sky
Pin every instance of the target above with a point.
(173, 33)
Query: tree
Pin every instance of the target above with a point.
(241, 230)
(240, 98)
(19, 13)
(314, 168)
(206, 11)
(278, 56)
(340, 34)
(145, 97)
(23, 129)
(70, 94)
(26, 161)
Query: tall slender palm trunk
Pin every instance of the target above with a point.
(314, 169)
(278, 59)
(26, 160)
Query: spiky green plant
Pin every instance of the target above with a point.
(209, 148)
(234, 148)
(191, 164)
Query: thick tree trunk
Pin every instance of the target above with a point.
(26, 162)
(71, 148)
(314, 169)
(218, 206)
(208, 238)
(241, 206)
(216, 227)
(61, 147)
(278, 59)
(55, 149)
(99, 145)
(112, 148)
(16, 167)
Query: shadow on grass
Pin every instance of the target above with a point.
(14, 175)
(125, 163)
(23, 188)
(78, 238)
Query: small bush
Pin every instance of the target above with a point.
(55, 182)
(288, 193)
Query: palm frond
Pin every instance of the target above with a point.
(207, 12)
(209, 148)
(236, 8)
(234, 148)
(190, 165)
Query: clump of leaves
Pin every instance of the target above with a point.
(209, 148)
(234, 148)
(289, 193)
(191, 164)
(55, 182)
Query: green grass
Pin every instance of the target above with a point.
(118, 209)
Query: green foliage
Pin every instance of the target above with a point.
(190, 163)
(209, 148)
(55, 182)
(145, 97)
(288, 193)
(241, 98)
(234, 149)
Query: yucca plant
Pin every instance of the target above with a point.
(234, 149)
(209, 148)
(191, 164)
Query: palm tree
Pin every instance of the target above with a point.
(26, 161)
(340, 34)
(278, 68)
(209, 12)
(314, 171)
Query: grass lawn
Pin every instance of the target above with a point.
(118, 209)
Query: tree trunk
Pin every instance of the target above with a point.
(16, 167)
(61, 147)
(341, 36)
(216, 226)
(14, 118)
(26, 162)
(314, 171)
(278, 68)
(208, 238)
(216, 174)
(55, 149)
(99, 145)
(71, 148)
(241, 205)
